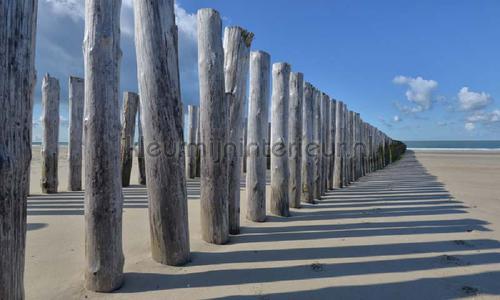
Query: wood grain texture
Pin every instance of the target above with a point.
(191, 147)
(140, 149)
(17, 79)
(279, 140)
(337, 173)
(214, 119)
(308, 147)
(260, 71)
(317, 132)
(331, 144)
(156, 43)
(103, 190)
(237, 43)
(295, 138)
(76, 105)
(50, 139)
(129, 114)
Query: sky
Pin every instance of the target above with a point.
(418, 70)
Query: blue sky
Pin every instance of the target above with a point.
(426, 69)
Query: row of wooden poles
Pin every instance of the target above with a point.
(315, 143)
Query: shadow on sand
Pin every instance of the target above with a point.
(404, 189)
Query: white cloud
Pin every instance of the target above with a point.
(469, 100)
(485, 117)
(397, 119)
(419, 93)
(75, 9)
(470, 126)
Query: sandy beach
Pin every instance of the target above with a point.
(426, 227)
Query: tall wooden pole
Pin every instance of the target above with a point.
(214, 116)
(279, 140)
(140, 149)
(50, 122)
(198, 144)
(17, 72)
(331, 144)
(76, 104)
(317, 142)
(161, 105)
(295, 137)
(325, 122)
(337, 171)
(308, 147)
(103, 190)
(345, 146)
(237, 42)
(244, 140)
(191, 147)
(130, 104)
(260, 63)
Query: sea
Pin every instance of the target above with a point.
(454, 145)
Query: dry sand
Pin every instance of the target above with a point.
(426, 227)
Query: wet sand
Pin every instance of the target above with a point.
(426, 227)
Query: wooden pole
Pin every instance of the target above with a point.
(237, 42)
(317, 142)
(191, 147)
(325, 121)
(345, 147)
(337, 171)
(331, 144)
(198, 144)
(351, 146)
(308, 146)
(279, 140)
(268, 146)
(244, 140)
(214, 115)
(103, 190)
(295, 137)
(140, 149)
(76, 103)
(50, 123)
(17, 72)
(161, 105)
(130, 104)
(258, 104)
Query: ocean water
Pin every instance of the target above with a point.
(453, 145)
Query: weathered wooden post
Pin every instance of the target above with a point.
(345, 146)
(308, 147)
(198, 144)
(244, 141)
(17, 79)
(337, 172)
(260, 63)
(279, 140)
(103, 190)
(331, 144)
(130, 104)
(76, 103)
(318, 143)
(213, 117)
(325, 121)
(50, 123)
(295, 137)
(268, 146)
(237, 43)
(351, 144)
(140, 149)
(191, 147)
(161, 105)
